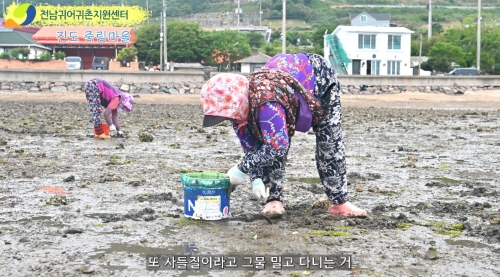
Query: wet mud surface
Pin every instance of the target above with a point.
(71, 205)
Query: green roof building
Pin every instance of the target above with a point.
(10, 39)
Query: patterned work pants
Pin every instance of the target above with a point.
(330, 158)
(93, 97)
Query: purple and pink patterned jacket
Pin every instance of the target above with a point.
(108, 91)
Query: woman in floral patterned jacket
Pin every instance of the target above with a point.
(294, 92)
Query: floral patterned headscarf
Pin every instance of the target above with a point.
(126, 102)
(226, 95)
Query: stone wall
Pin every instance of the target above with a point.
(82, 76)
(222, 19)
(450, 90)
(194, 87)
(45, 65)
(171, 88)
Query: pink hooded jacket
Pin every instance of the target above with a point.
(108, 91)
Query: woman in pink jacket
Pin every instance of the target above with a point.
(101, 93)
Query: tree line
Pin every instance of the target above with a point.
(459, 45)
(187, 42)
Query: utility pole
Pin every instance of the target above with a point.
(260, 13)
(238, 12)
(479, 35)
(165, 36)
(430, 19)
(283, 33)
(161, 42)
(420, 55)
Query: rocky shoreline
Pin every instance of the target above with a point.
(170, 88)
(367, 90)
(195, 87)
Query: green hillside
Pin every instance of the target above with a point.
(309, 14)
(307, 21)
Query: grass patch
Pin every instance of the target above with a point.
(329, 233)
(447, 180)
(115, 158)
(453, 230)
(444, 166)
(452, 233)
(439, 224)
(458, 227)
(100, 224)
(294, 274)
(402, 226)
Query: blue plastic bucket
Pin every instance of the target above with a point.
(205, 195)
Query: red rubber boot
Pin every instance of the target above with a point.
(99, 133)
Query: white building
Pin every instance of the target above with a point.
(369, 50)
(416, 62)
(253, 63)
(10, 39)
